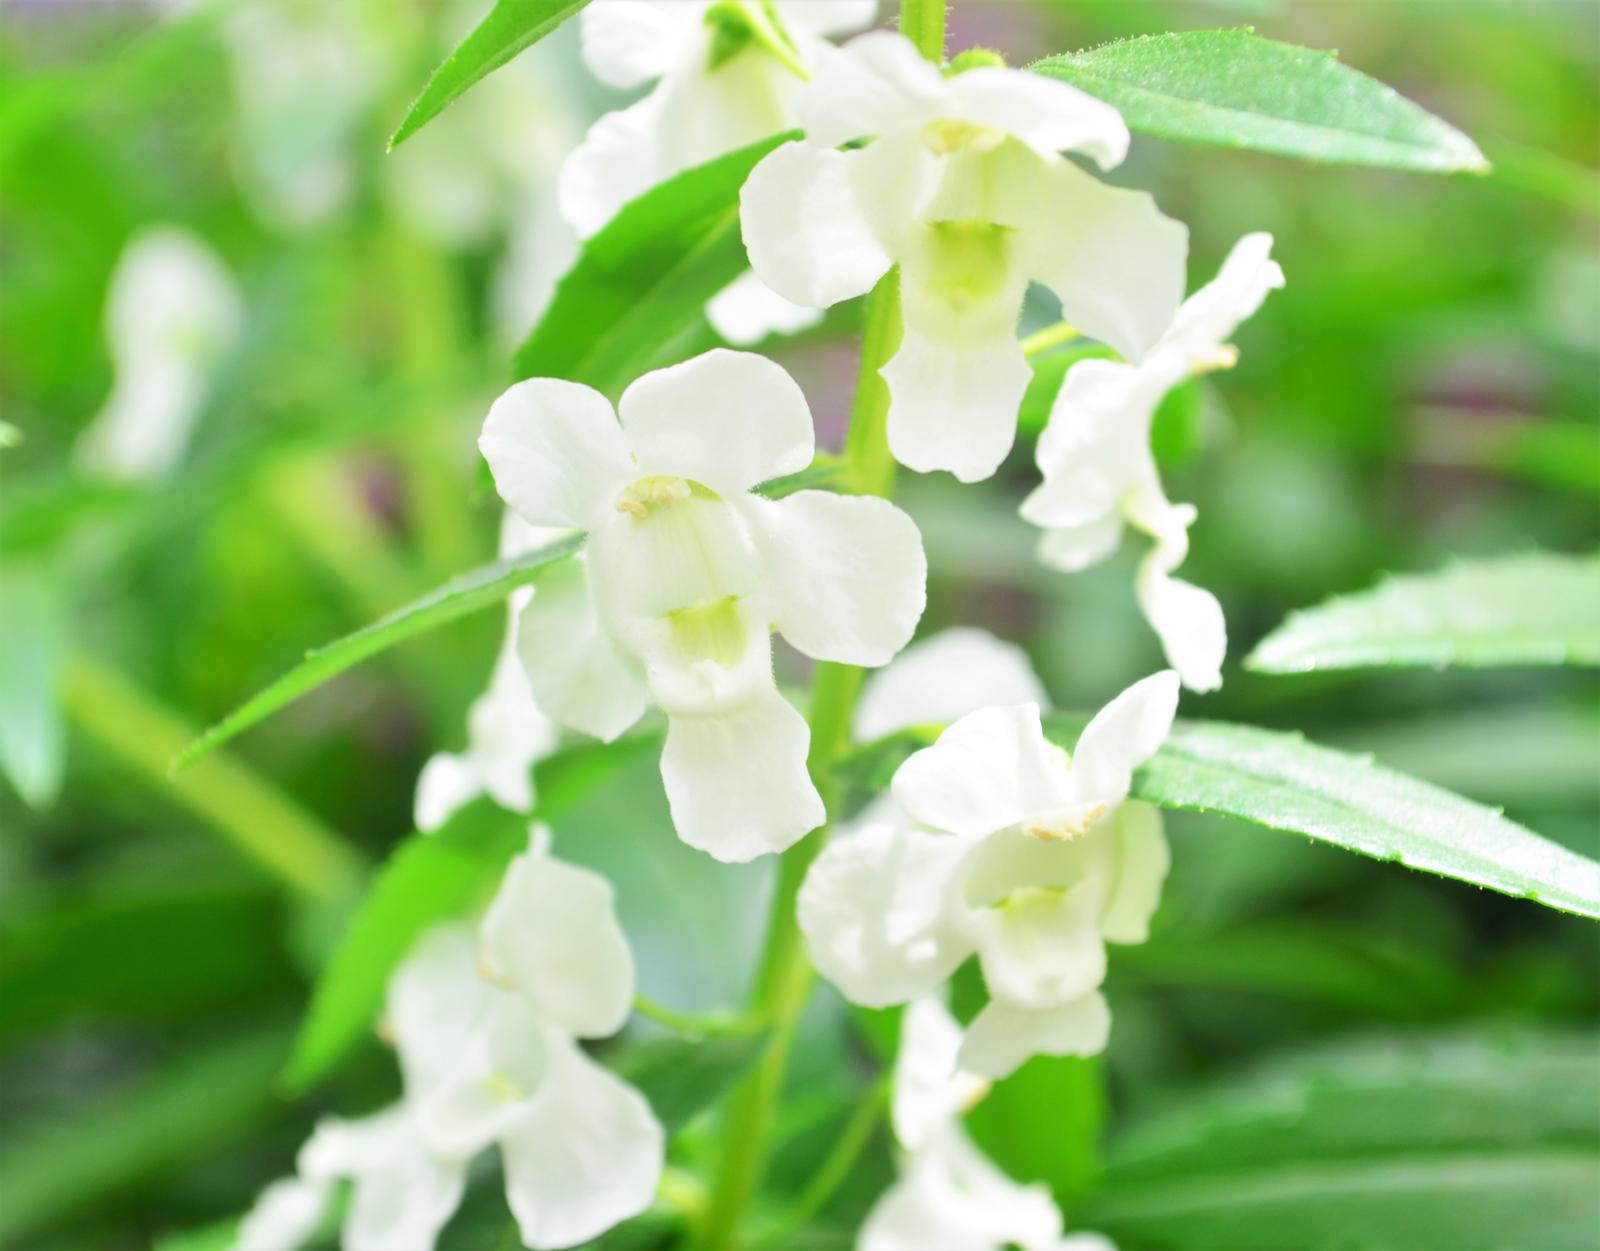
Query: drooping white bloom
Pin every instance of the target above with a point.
(965, 188)
(1009, 849)
(506, 731)
(173, 315)
(485, 1023)
(942, 678)
(1099, 472)
(303, 78)
(687, 573)
(728, 74)
(401, 1193)
(722, 85)
(485, 1020)
(948, 1194)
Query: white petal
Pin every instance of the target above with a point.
(1071, 548)
(585, 1155)
(827, 17)
(509, 732)
(747, 311)
(1122, 736)
(1042, 947)
(736, 780)
(1096, 446)
(944, 677)
(876, 911)
(402, 1204)
(556, 452)
(402, 1196)
(1189, 621)
(284, 1216)
(1001, 1039)
(446, 783)
(806, 238)
(991, 769)
(1142, 862)
(501, 1063)
(1114, 260)
(436, 1003)
(951, 1197)
(577, 674)
(1214, 312)
(728, 420)
(877, 84)
(172, 315)
(846, 575)
(954, 394)
(1047, 115)
(618, 160)
(629, 42)
(552, 934)
(930, 1092)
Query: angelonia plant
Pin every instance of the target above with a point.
(668, 516)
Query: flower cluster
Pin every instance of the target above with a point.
(994, 844)
(1000, 845)
(485, 1021)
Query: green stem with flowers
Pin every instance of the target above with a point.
(784, 977)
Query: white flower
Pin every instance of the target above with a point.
(942, 678)
(948, 1193)
(686, 575)
(721, 86)
(485, 1022)
(173, 315)
(1099, 471)
(506, 731)
(965, 188)
(1013, 851)
(402, 1194)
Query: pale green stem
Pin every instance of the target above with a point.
(250, 813)
(784, 977)
(1049, 337)
(709, 1025)
(825, 1182)
(922, 22)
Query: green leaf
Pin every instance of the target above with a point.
(427, 879)
(1467, 1142)
(1044, 1123)
(488, 584)
(645, 276)
(33, 636)
(1278, 780)
(115, 1138)
(512, 26)
(683, 1077)
(1281, 781)
(1230, 89)
(1532, 609)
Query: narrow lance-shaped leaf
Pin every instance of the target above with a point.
(512, 26)
(427, 879)
(1230, 89)
(645, 276)
(1533, 609)
(488, 584)
(1472, 1141)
